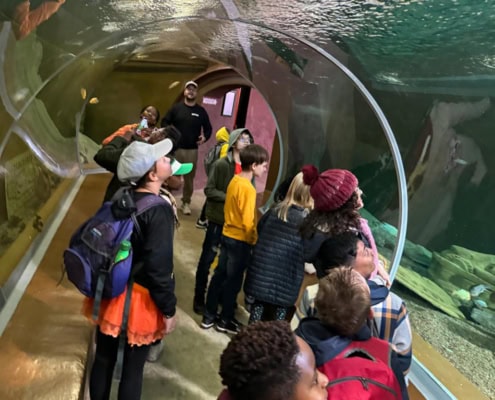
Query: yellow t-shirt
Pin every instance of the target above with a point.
(240, 211)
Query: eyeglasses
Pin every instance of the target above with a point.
(248, 141)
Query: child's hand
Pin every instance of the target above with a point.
(129, 134)
(382, 272)
(170, 324)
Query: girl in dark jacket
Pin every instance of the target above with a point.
(277, 269)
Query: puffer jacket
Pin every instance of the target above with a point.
(277, 267)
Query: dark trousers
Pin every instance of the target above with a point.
(227, 279)
(208, 254)
(102, 371)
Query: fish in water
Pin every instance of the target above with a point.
(475, 291)
(460, 161)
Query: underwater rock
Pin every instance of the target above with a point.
(385, 236)
(484, 317)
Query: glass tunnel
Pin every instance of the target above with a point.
(397, 92)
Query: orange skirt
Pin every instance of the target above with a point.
(146, 322)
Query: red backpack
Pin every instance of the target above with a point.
(362, 372)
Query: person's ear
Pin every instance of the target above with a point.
(152, 176)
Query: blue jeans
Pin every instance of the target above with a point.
(227, 279)
(210, 246)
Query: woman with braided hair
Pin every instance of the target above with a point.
(266, 361)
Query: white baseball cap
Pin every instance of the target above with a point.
(138, 158)
(191, 83)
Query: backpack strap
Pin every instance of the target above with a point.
(142, 205)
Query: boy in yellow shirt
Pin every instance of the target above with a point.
(238, 236)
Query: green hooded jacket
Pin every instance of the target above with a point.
(221, 172)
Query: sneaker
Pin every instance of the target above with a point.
(208, 322)
(227, 327)
(202, 223)
(198, 306)
(236, 322)
(155, 352)
(248, 302)
(186, 210)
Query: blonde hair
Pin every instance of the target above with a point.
(298, 194)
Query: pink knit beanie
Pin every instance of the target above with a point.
(331, 189)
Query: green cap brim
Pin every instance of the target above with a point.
(181, 169)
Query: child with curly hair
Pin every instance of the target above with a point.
(266, 361)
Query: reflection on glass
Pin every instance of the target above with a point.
(28, 186)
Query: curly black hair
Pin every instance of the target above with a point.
(334, 222)
(260, 362)
(156, 109)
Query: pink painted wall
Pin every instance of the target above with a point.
(259, 121)
(261, 124)
(217, 121)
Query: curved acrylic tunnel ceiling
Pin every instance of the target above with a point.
(52, 80)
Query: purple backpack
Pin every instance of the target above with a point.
(89, 260)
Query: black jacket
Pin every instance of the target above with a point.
(108, 157)
(154, 251)
(277, 267)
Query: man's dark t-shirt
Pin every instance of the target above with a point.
(188, 120)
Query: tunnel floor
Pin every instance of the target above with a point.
(47, 340)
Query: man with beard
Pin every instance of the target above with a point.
(192, 121)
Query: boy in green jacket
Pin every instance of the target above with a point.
(221, 172)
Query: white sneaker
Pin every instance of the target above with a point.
(186, 210)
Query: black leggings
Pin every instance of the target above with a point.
(102, 371)
(261, 311)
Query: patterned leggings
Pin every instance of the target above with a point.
(267, 312)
